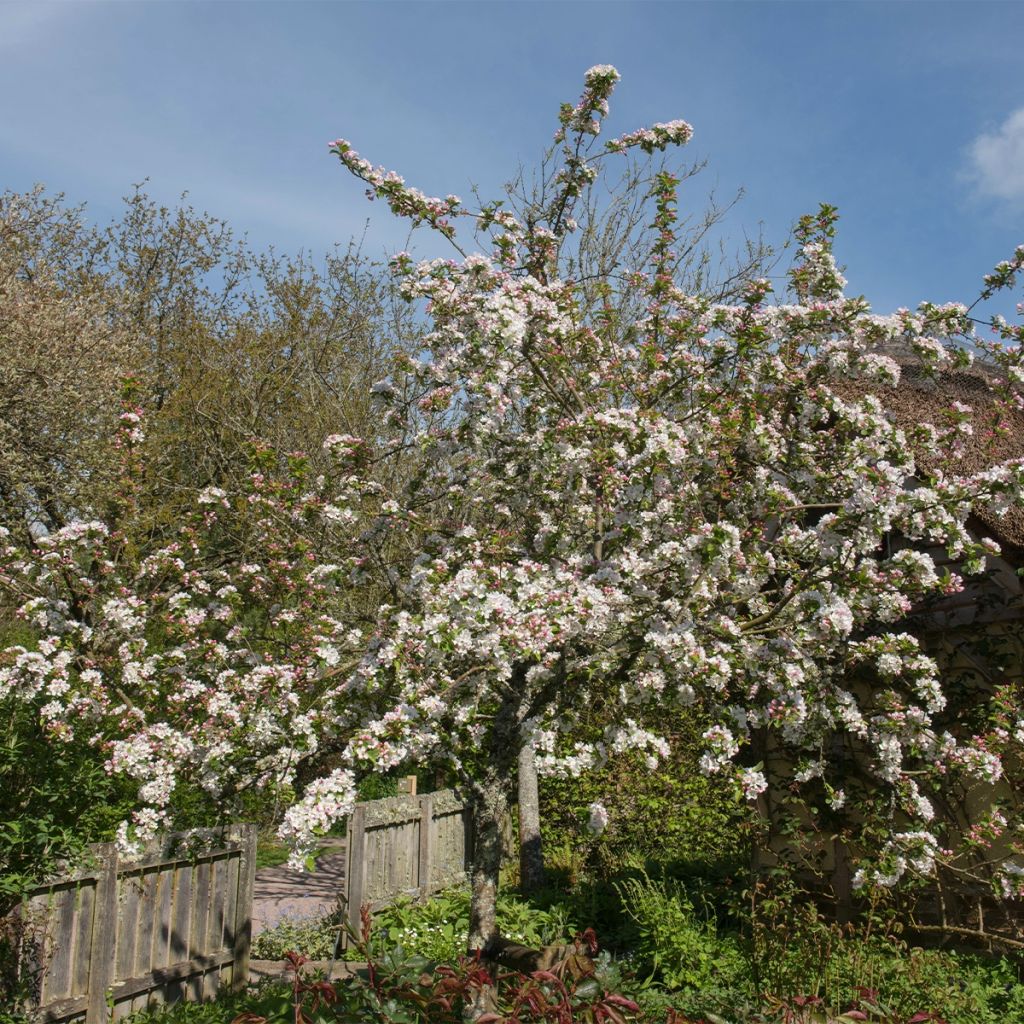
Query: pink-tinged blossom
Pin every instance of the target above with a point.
(326, 802)
(657, 137)
(597, 818)
(753, 783)
(695, 511)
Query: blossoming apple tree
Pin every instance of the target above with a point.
(679, 509)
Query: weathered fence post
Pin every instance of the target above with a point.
(426, 852)
(355, 866)
(242, 925)
(103, 947)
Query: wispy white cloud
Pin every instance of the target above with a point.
(997, 159)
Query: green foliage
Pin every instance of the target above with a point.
(405, 988)
(377, 787)
(675, 936)
(685, 967)
(400, 989)
(225, 1008)
(193, 807)
(272, 854)
(795, 953)
(55, 797)
(314, 938)
(675, 809)
(437, 928)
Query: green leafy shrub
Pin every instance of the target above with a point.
(376, 786)
(406, 988)
(314, 938)
(225, 1008)
(401, 989)
(676, 810)
(437, 928)
(795, 952)
(55, 798)
(675, 937)
(961, 988)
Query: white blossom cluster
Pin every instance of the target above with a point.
(693, 511)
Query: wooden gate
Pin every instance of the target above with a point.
(119, 936)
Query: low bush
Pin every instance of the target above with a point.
(399, 989)
(437, 929)
(55, 799)
(434, 930)
(227, 1007)
(314, 938)
(675, 937)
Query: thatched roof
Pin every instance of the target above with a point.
(921, 398)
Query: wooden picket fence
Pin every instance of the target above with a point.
(119, 936)
(405, 845)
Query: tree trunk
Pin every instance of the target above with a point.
(489, 803)
(531, 853)
(489, 806)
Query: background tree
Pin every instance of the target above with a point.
(62, 361)
(224, 345)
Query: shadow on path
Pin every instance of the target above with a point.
(281, 893)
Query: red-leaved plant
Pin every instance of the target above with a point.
(867, 1007)
(394, 991)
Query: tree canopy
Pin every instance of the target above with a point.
(690, 508)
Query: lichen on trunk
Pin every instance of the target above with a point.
(531, 852)
(489, 804)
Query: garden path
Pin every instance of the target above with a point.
(281, 893)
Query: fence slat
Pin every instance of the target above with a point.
(57, 980)
(227, 940)
(242, 924)
(104, 935)
(83, 939)
(200, 910)
(147, 922)
(355, 868)
(425, 867)
(218, 894)
(127, 925)
(164, 921)
(182, 915)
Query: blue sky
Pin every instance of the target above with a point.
(908, 116)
